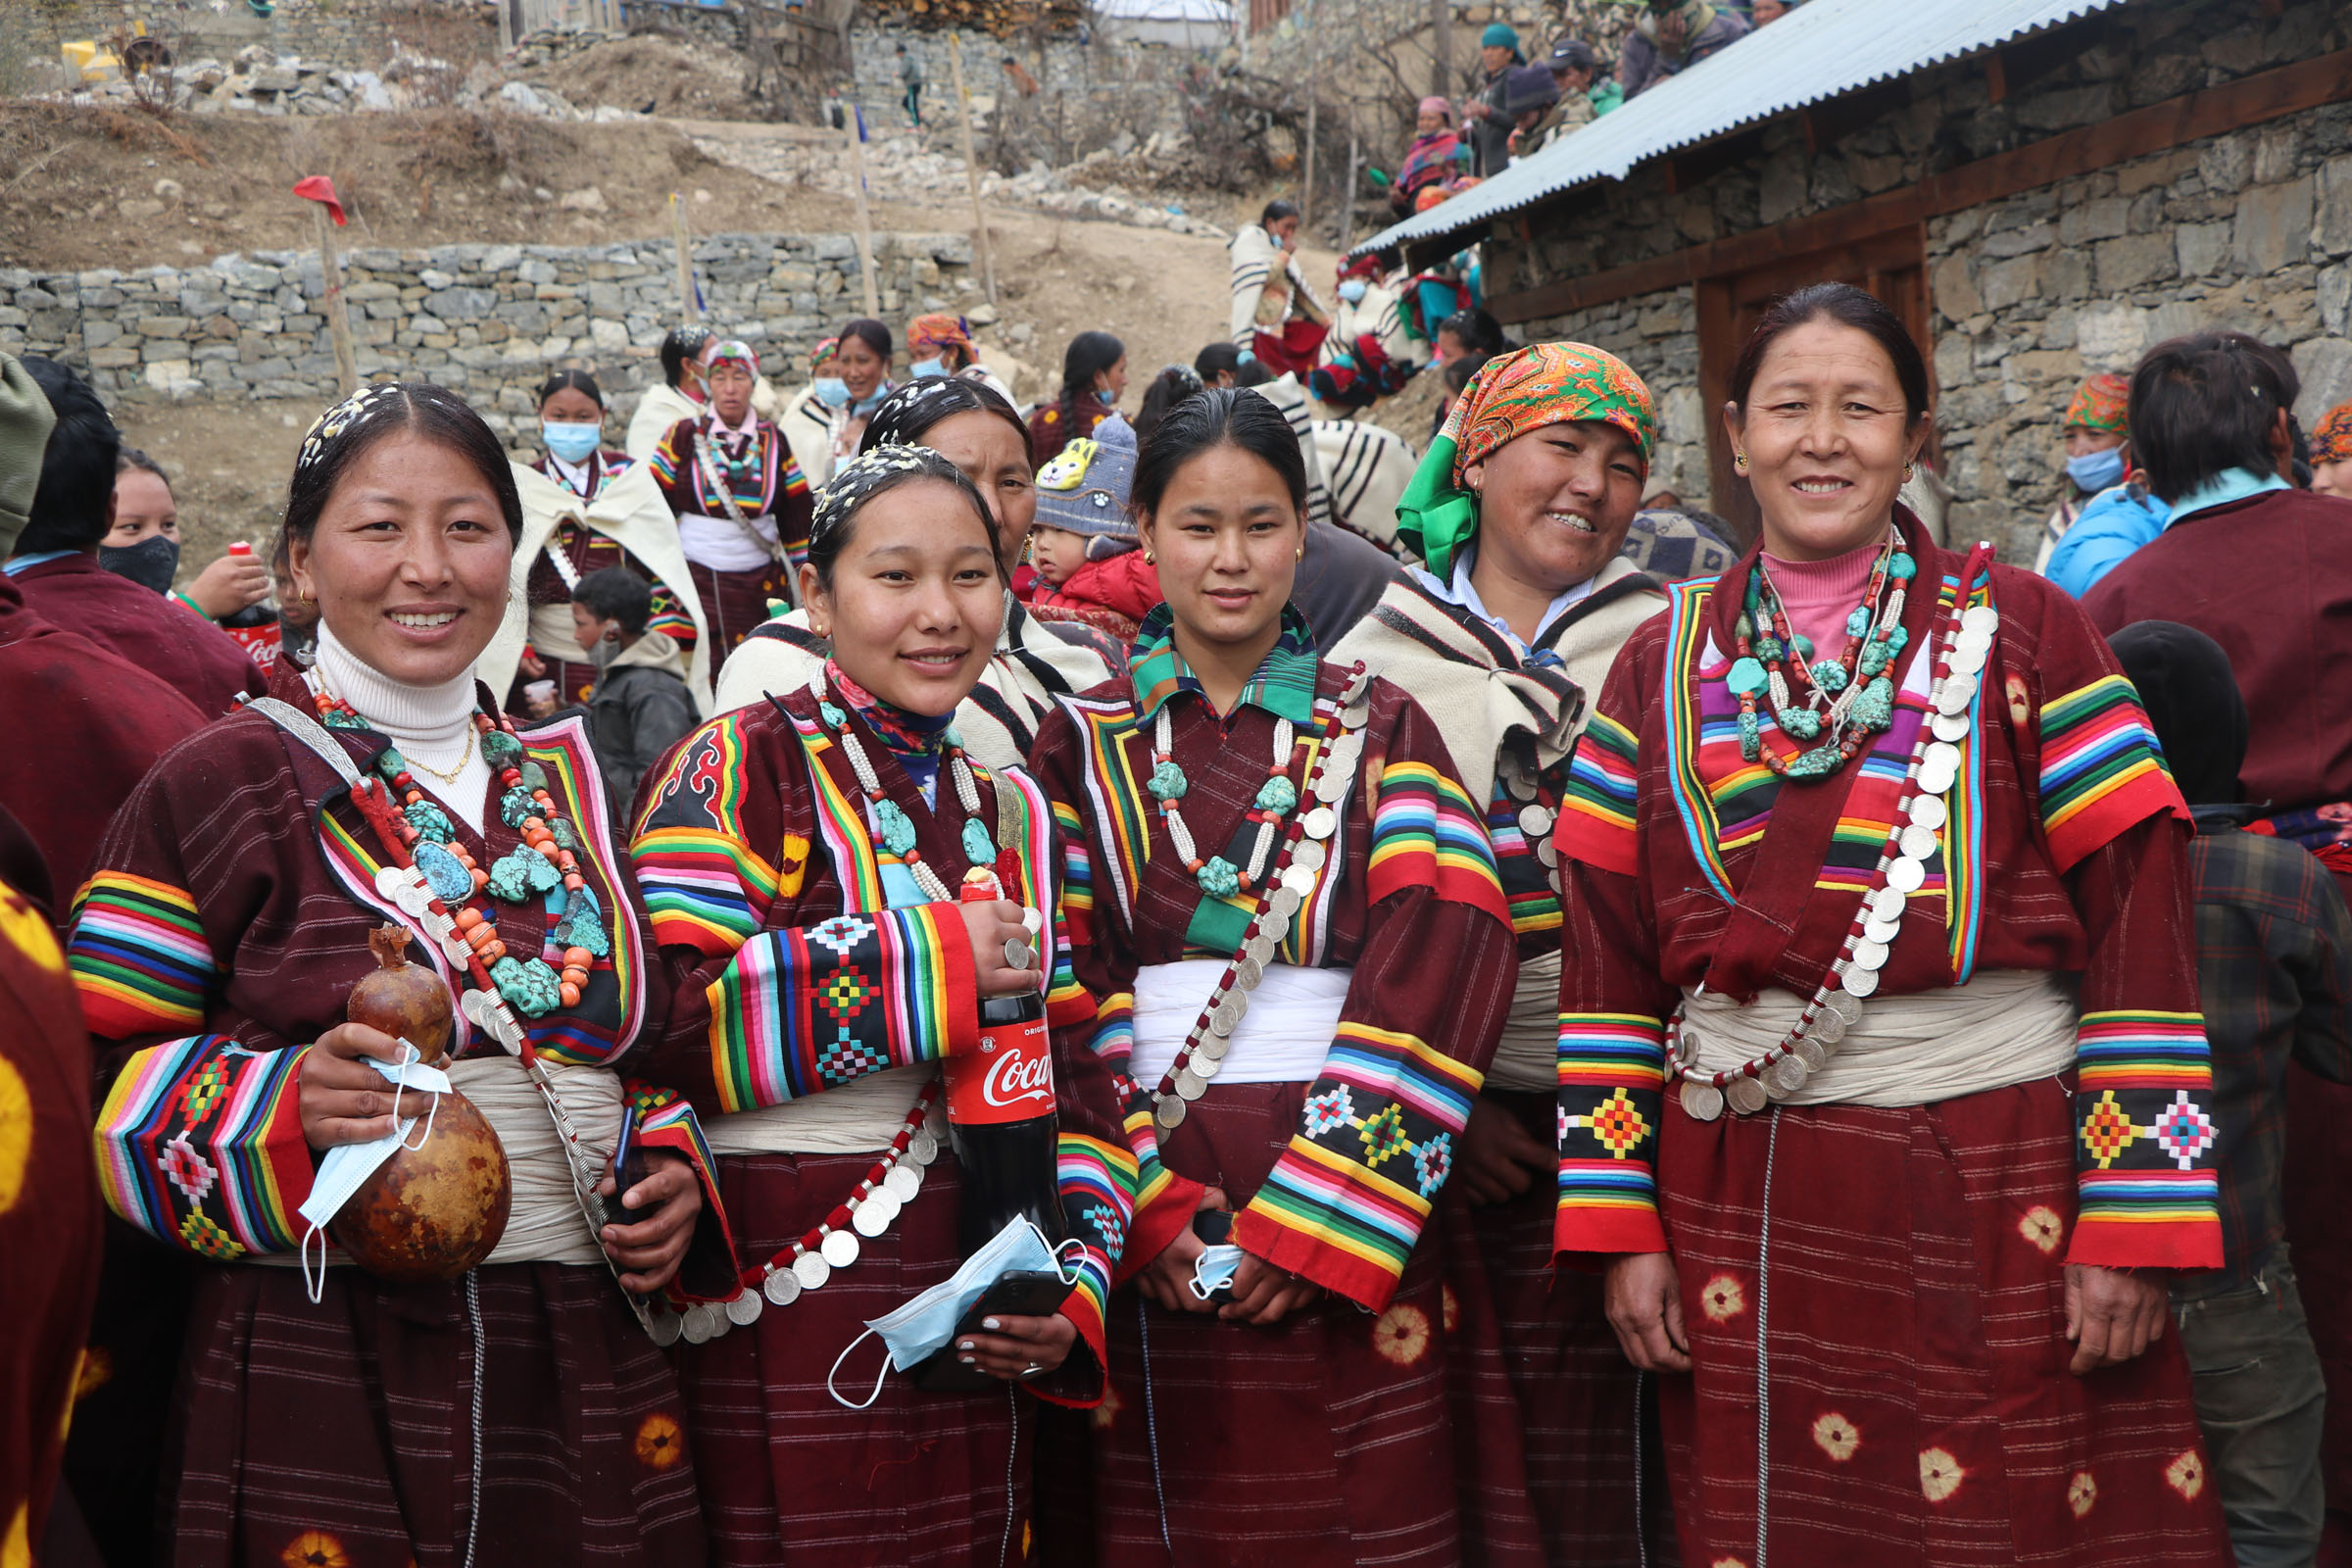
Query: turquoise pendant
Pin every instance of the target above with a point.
(1902, 566)
(529, 986)
(391, 764)
(1168, 782)
(1830, 678)
(1798, 724)
(898, 834)
(542, 873)
(1804, 646)
(1874, 710)
(444, 873)
(1277, 795)
(1875, 658)
(516, 805)
(338, 718)
(583, 924)
(830, 716)
(430, 822)
(978, 847)
(1218, 879)
(1746, 678)
(1752, 737)
(1819, 763)
(560, 828)
(1858, 623)
(510, 875)
(500, 749)
(534, 777)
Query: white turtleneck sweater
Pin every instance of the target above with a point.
(432, 726)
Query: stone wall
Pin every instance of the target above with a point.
(344, 35)
(489, 321)
(2030, 293)
(1092, 91)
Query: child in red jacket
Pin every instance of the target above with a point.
(1084, 545)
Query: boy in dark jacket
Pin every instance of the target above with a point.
(2274, 970)
(641, 705)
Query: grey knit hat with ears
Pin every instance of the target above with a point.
(1084, 488)
(26, 420)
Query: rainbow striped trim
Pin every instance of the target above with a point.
(1612, 1072)
(1077, 874)
(2101, 770)
(200, 1144)
(807, 1010)
(702, 889)
(1525, 881)
(1097, 1180)
(140, 957)
(1596, 824)
(1347, 1199)
(1427, 833)
(1116, 790)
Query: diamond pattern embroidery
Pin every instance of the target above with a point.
(187, 1169)
(2107, 1132)
(1434, 1161)
(847, 1059)
(208, 1240)
(1617, 1125)
(1329, 1111)
(841, 934)
(2184, 1131)
(1384, 1136)
(207, 1087)
(845, 995)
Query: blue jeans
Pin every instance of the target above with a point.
(2260, 1400)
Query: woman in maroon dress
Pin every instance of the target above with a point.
(1287, 908)
(516, 1413)
(800, 857)
(1867, 845)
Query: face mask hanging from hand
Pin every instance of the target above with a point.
(2094, 471)
(916, 1330)
(152, 562)
(571, 442)
(347, 1166)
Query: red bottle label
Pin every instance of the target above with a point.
(1011, 1079)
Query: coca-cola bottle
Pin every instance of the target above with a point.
(255, 627)
(1001, 1112)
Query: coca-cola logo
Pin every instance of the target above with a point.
(1016, 1077)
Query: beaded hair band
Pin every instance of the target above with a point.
(346, 416)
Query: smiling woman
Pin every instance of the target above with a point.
(1269, 861)
(859, 778)
(228, 917)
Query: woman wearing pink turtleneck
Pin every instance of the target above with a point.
(1818, 595)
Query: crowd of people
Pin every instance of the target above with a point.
(1251, 959)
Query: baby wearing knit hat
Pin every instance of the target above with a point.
(1084, 545)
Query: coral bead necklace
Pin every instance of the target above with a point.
(1838, 703)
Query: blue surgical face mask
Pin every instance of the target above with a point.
(832, 391)
(1110, 399)
(1213, 1270)
(1353, 290)
(569, 441)
(348, 1165)
(926, 1323)
(921, 369)
(2094, 471)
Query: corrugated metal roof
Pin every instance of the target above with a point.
(1822, 49)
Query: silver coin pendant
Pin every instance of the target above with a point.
(783, 1287)
(744, 1308)
(811, 1270)
(1702, 1100)
(840, 1249)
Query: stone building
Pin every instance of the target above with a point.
(2041, 188)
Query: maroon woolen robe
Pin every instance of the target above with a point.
(153, 631)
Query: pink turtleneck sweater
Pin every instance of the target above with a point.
(1818, 595)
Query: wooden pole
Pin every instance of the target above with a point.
(1440, 48)
(971, 167)
(865, 216)
(1347, 196)
(688, 309)
(1306, 187)
(338, 317)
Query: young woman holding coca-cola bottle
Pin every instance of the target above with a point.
(847, 905)
(1288, 907)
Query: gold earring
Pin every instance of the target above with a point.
(1301, 555)
(1150, 559)
(1739, 461)
(1906, 473)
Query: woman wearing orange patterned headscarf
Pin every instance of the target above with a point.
(2098, 453)
(2332, 452)
(940, 344)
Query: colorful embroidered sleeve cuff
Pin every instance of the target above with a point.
(664, 1120)
(702, 889)
(1347, 1201)
(1612, 1079)
(1097, 1201)
(2144, 1141)
(1425, 834)
(2101, 771)
(200, 1144)
(805, 1010)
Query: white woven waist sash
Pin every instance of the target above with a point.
(544, 1222)
(1282, 1039)
(720, 544)
(859, 1117)
(2006, 1026)
(1527, 1059)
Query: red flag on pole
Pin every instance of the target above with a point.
(320, 188)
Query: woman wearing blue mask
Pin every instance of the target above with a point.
(941, 345)
(860, 381)
(809, 849)
(582, 525)
(2098, 455)
(807, 415)
(1094, 377)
